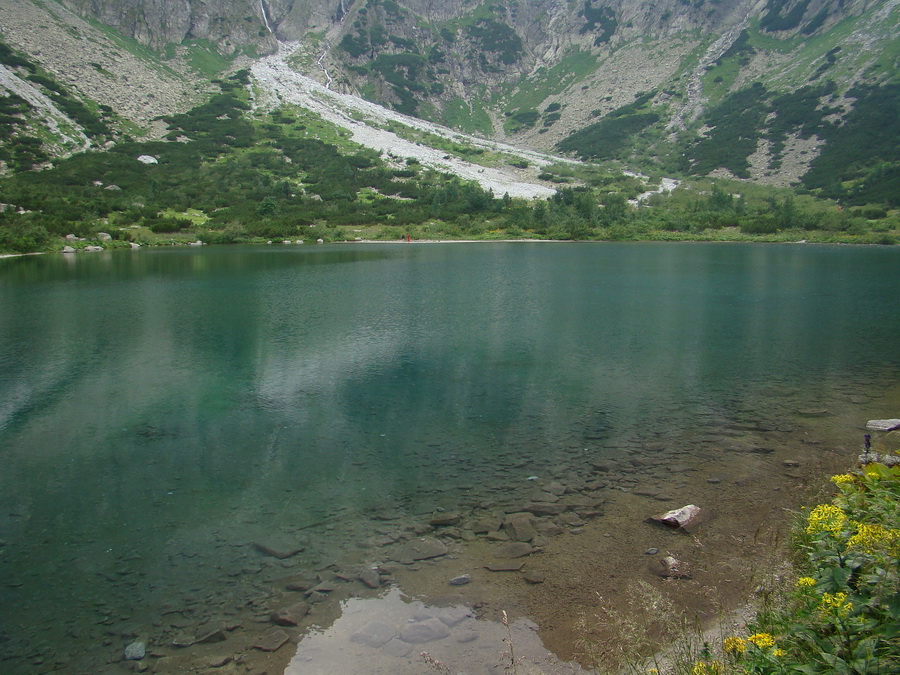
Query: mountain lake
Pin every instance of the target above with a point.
(215, 458)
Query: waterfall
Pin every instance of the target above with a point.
(265, 18)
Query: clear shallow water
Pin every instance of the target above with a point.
(162, 410)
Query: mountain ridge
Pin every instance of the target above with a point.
(550, 76)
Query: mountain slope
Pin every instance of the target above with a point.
(751, 89)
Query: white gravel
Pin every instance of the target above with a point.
(281, 84)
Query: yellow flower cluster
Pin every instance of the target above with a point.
(874, 537)
(843, 479)
(762, 640)
(778, 653)
(707, 668)
(871, 471)
(826, 518)
(735, 645)
(806, 582)
(835, 603)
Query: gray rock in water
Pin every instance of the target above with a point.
(545, 508)
(68, 249)
(278, 549)
(682, 518)
(504, 566)
(217, 635)
(454, 615)
(883, 425)
(374, 634)
(397, 647)
(370, 578)
(442, 518)
(533, 577)
(520, 526)
(516, 549)
(290, 616)
(271, 641)
(422, 548)
(135, 651)
(673, 568)
(424, 631)
(461, 580)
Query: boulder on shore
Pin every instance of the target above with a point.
(883, 425)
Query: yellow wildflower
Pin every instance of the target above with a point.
(843, 479)
(871, 471)
(778, 653)
(835, 603)
(735, 645)
(806, 582)
(707, 668)
(873, 537)
(826, 518)
(762, 640)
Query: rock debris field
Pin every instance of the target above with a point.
(281, 84)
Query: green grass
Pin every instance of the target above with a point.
(205, 60)
(470, 117)
(574, 67)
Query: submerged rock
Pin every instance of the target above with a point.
(290, 616)
(424, 631)
(682, 518)
(516, 549)
(520, 526)
(461, 580)
(374, 634)
(370, 578)
(440, 518)
(271, 641)
(277, 549)
(135, 651)
(673, 568)
(504, 566)
(422, 548)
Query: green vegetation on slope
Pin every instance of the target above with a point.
(23, 144)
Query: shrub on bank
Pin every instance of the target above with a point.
(843, 614)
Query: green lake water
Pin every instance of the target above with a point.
(163, 410)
